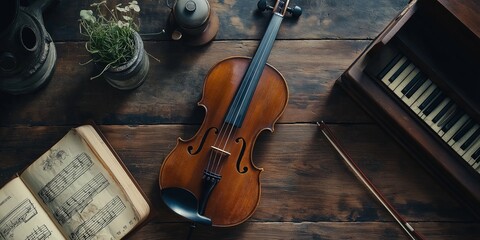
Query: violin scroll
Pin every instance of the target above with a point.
(295, 12)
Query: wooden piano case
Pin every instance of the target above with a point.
(442, 38)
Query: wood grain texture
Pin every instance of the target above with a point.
(307, 192)
(304, 186)
(239, 19)
(308, 230)
(174, 85)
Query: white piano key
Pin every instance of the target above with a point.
(449, 134)
(468, 154)
(433, 114)
(456, 146)
(408, 78)
(401, 77)
(418, 93)
(393, 70)
(415, 106)
(447, 116)
(476, 161)
(402, 73)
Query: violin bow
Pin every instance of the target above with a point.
(407, 228)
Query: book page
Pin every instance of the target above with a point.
(82, 197)
(22, 217)
(100, 147)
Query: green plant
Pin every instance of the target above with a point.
(110, 33)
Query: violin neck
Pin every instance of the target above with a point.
(241, 102)
(263, 51)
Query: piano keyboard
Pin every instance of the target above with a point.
(437, 110)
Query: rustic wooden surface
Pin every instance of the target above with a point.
(307, 192)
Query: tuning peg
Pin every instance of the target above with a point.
(262, 6)
(295, 11)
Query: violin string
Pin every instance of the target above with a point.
(220, 133)
(224, 129)
(217, 158)
(236, 105)
(221, 136)
(227, 128)
(258, 70)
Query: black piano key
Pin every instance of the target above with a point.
(399, 71)
(416, 87)
(389, 66)
(412, 83)
(470, 140)
(452, 120)
(436, 101)
(429, 99)
(476, 155)
(463, 130)
(476, 162)
(442, 112)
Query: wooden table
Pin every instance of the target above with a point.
(307, 191)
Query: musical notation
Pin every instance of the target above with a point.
(80, 199)
(22, 213)
(101, 219)
(65, 178)
(41, 233)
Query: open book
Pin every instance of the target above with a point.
(78, 189)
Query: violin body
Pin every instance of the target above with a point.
(211, 178)
(235, 196)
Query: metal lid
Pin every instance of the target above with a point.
(191, 13)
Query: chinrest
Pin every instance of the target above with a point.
(184, 203)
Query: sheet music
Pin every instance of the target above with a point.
(40, 233)
(66, 177)
(78, 201)
(21, 216)
(102, 218)
(79, 192)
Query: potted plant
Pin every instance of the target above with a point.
(116, 47)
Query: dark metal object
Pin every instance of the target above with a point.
(193, 22)
(295, 12)
(27, 52)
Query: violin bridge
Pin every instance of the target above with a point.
(221, 151)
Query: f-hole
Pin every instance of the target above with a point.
(240, 156)
(190, 148)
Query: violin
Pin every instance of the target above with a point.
(211, 178)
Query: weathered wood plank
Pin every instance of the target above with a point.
(307, 192)
(239, 19)
(310, 230)
(304, 179)
(174, 85)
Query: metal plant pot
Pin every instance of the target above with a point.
(134, 72)
(27, 52)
